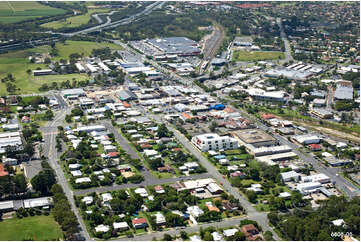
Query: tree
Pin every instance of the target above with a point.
(162, 131)
(184, 235)
(29, 149)
(167, 237)
(239, 236)
(20, 183)
(207, 236)
(68, 118)
(76, 112)
(43, 181)
(48, 115)
(268, 235)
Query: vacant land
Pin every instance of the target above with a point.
(12, 12)
(75, 21)
(17, 63)
(30, 228)
(257, 55)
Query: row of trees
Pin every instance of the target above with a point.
(63, 214)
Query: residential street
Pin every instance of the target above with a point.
(191, 229)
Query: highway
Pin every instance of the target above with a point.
(110, 24)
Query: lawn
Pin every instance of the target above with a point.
(257, 55)
(30, 228)
(74, 21)
(16, 11)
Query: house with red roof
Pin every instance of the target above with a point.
(2, 171)
(145, 146)
(26, 119)
(250, 231)
(314, 147)
(266, 116)
(113, 154)
(238, 173)
(139, 223)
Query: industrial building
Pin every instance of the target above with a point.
(212, 141)
(321, 113)
(344, 91)
(180, 46)
(306, 139)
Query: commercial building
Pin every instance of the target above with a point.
(271, 159)
(126, 95)
(273, 96)
(321, 178)
(71, 93)
(290, 175)
(212, 141)
(261, 151)
(10, 140)
(255, 137)
(308, 187)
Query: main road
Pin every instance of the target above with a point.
(285, 41)
(49, 134)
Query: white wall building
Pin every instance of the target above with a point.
(212, 141)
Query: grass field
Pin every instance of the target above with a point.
(257, 55)
(30, 228)
(74, 21)
(16, 11)
(17, 63)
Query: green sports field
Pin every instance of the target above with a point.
(30, 228)
(257, 55)
(16, 11)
